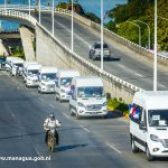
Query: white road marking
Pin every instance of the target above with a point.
(84, 128)
(51, 105)
(13, 116)
(37, 151)
(113, 147)
(77, 36)
(140, 75)
(126, 68)
(161, 85)
(66, 116)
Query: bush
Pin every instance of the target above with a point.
(115, 104)
(92, 17)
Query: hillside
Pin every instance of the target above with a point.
(140, 10)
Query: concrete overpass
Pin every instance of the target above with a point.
(122, 78)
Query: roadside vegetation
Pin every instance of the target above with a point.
(134, 10)
(118, 105)
(17, 51)
(78, 9)
(142, 10)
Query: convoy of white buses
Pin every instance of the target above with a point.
(86, 97)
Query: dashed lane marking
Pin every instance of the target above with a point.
(86, 129)
(113, 147)
(66, 116)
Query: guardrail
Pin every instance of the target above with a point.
(19, 15)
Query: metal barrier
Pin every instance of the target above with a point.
(19, 15)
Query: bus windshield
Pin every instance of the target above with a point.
(158, 118)
(90, 92)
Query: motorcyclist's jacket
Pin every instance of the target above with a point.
(51, 124)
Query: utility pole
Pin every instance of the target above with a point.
(39, 11)
(155, 49)
(29, 9)
(102, 35)
(72, 26)
(53, 25)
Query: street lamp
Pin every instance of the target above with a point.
(29, 8)
(53, 25)
(72, 26)
(4, 4)
(155, 48)
(39, 11)
(149, 32)
(139, 28)
(102, 33)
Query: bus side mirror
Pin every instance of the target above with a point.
(142, 126)
(70, 93)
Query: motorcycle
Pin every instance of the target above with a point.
(51, 140)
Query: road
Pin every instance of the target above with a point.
(129, 68)
(85, 143)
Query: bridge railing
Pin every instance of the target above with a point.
(19, 15)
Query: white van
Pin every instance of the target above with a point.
(63, 83)
(47, 78)
(32, 72)
(16, 66)
(25, 65)
(10, 61)
(149, 123)
(87, 97)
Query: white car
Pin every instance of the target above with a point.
(12, 63)
(63, 83)
(17, 66)
(149, 123)
(32, 72)
(87, 97)
(25, 65)
(95, 51)
(47, 78)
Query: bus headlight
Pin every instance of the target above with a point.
(154, 138)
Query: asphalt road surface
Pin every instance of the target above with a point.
(85, 143)
(129, 68)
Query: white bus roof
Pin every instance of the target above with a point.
(35, 66)
(26, 63)
(151, 99)
(90, 81)
(48, 70)
(67, 73)
(12, 59)
(15, 61)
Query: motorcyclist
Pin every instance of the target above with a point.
(51, 123)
